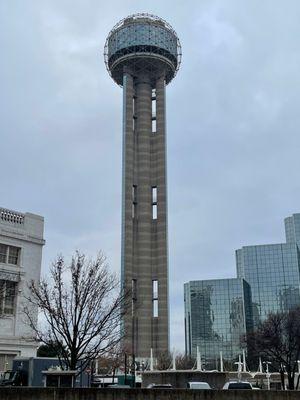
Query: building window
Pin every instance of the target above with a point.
(155, 308)
(154, 211)
(154, 194)
(155, 298)
(154, 202)
(6, 361)
(133, 114)
(134, 201)
(3, 253)
(133, 289)
(7, 297)
(13, 255)
(154, 125)
(133, 296)
(153, 111)
(9, 254)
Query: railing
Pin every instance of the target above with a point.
(12, 217)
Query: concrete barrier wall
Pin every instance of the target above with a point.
(142, 394)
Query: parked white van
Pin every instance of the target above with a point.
(198, 385)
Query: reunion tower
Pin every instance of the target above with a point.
(142, 55)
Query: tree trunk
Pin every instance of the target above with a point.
(298, 380)
(291, 380)
(282, 379)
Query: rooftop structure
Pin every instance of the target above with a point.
(145, 43)
(142, 54)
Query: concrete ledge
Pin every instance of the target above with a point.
(21, 393)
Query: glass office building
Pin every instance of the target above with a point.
(272, 272)
(216, 316)
(219, 312)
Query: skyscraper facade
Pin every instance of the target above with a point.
(142, 54)
(217, 314)
(273, 273)
(268, 280)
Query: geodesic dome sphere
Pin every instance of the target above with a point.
(145, 44)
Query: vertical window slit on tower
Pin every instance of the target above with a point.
(154, 202)
(133, 295)
(153, 110)
(154, 126)
(134, 201)
(154, 194)
(154, 211)
(155, 298)
(133, 113)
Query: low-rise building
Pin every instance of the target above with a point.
(21, 243)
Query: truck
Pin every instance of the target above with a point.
(42, 371)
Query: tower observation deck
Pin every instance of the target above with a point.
(142, 55)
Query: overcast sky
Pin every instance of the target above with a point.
(233, 124)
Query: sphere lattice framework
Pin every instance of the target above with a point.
(144, 43)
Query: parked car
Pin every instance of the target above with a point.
(116, 385)
(237, 385)
(198, 385)
(159, 386)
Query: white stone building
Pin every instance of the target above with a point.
(21, 243)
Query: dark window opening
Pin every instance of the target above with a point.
(133, 296)
(134, 201)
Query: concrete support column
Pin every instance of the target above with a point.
(162, 228)
(144, 210)
(144, 243)
(127, 183)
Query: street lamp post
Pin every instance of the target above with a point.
(267, 373)
(239, 364)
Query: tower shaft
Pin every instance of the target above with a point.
(144, 215)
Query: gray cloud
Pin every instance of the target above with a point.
(233, 129)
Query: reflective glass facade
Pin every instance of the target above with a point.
(219, 312)
(142, 33)
(216, 317)
(292, 229)
(272, 272)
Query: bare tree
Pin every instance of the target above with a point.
(110, 363)
(185, 362)
(81, 306)
(164, 360)
(277, 339)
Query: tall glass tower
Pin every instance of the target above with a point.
(142, 55)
